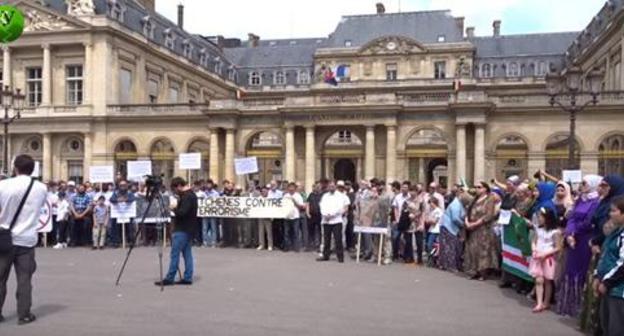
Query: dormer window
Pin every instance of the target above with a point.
(255, 79)
(348, 43)
(304, 77)
(148, 27)
(116, 10)
(188, 48)
(486, 70)
(203, 57)
(280, 78)
(232, 74)
(441, 38)
(513, 70)
(218, 65)
(169, 38)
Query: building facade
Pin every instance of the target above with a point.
(418, 96)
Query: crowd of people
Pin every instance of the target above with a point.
(566, 241)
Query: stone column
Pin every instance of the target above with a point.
(115, 76)
(290, 154)
(213, 159)
(479, 156)
(46, 96)
(6, 66)
(421, 171)
(229, 155)
(163, 97)
(461, 152)
(140, 81)
(310, 163)
(87, 73)
(391, 155)
(369, 154)
(88, 155)
(47, 171)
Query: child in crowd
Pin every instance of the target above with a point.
(609, 280)
(433, 222)
(547, 242)
(62, 217)
(100, 221)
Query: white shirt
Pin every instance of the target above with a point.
(53, 200)
(62, 210)
(296, 200)
(275, 193)
(436, 215)
(399, 199)
(333, 206)
(11, 192)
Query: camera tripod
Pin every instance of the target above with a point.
(153, 196)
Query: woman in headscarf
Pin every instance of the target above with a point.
(481, 245)
(610, 188)
(543, 194)
(578, 232)
(451, 246)
(563, 202)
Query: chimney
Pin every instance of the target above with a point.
(253, 40)
(497, 28)
(459, 21)
(181, 16)
(381, 9)
(470, 32)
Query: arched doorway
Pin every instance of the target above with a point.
(203, 147)
(125, 151)
(512, 154)
(342, 156)
(557, 155)
(344, 169)
(72, 158)
(162, 155)
(267, 148)
(611, 156)
(427, 152)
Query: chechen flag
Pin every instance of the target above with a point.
(517, 248)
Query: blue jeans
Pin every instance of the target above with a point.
(292, 232)
(432, 238)
(180, 242)
(209, 231)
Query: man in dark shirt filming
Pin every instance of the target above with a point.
(185, 224)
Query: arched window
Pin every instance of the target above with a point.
(611, 156)
(557, 155)
(255, 79)
(512, 154)
(486, 70)
(72, 155)
(124, 151)
(162, 154)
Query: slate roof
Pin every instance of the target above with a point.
(423, 26)
(523, 45)
(276, 53)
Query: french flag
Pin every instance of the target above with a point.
(336, 76)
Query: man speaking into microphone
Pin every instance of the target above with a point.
(184, 226)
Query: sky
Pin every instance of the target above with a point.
(274, 19)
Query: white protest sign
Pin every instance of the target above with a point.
(504, 217)
(572, 176)
(45, 218)
(137, 170)
(245, 166)
(101, 174)
(190, 161)
(373, 230)
(123, 212)
(243, 207)
(37, 171)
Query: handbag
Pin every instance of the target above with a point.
(6, 238)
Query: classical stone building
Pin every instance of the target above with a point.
(419, 96)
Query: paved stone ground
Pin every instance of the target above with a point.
(245, 292)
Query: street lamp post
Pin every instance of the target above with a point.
(11, 101)
(569, 84)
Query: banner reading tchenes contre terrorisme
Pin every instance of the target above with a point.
(244, 207)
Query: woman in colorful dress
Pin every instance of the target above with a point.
(481, 255)
(451, 245)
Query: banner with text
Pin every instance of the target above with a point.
(45, 218)
(101, 174)
(243, 207)
(244, 166)
(123, 212)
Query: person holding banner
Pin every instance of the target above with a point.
(292, 229)
(184, 226)
(121, 195)
(333, 206)
(264, 226)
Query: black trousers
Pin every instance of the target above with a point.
(336, 231)
(63, 228)
(612, 316)
(23, 258)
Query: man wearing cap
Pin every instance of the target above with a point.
(334, 206)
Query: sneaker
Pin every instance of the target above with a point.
(164, 283)
(184, 282)
(58, 246)
(270, 249)
(260, 248)
(322, 259)
(26, 320)
(387, 261)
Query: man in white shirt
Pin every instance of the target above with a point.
(333, 207)
(24, 233)
(292, 230)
